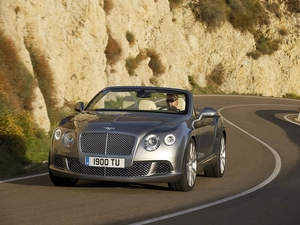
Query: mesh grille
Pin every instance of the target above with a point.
(58, 162)
(107, 143)
(163, 167)
(138, 169)
(75, 166)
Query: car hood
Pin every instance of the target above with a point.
(123, 121)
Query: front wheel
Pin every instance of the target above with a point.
(219, 168)
(189, 167)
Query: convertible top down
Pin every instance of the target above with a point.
(138, 134)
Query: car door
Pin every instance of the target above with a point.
(204, 133)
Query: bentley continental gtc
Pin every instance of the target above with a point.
(139, 134)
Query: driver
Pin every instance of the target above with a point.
(172, 101)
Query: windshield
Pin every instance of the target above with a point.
(142, 100)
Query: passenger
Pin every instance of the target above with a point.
(172, 102)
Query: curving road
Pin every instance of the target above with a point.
(261, 184)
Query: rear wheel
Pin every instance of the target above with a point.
(188, 179)
(219, 168)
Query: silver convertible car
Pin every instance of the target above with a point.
(138, 134)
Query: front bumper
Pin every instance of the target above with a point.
(139, 172)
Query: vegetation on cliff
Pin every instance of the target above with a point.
(22, 143)
(245, 15)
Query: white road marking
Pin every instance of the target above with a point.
(23, 178)
(264, 183)
(286, 117)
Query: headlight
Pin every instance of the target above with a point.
(68, 139)
(57, 134)
(151, 142)
(169, 139)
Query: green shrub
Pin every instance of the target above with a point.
(21, 142)
(254, 54)
(175, 3)
(132, 63)
(154, 81)
(245, 15)
(266, 45)
(274, 8)
(45, 81)
(283, 31)
(216, 77)
(293, 6)
(5, 103)
(108, 6)
(155, 63)
(17, 9)
(192, 81)
(291, 96)
(196, 89)
(212, 13)
(17, 83)
(112, 51)
(130, 37)
(13, 136)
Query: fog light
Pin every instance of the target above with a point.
(169, 139)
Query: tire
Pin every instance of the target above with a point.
(189, 167)
(218, 169)
(60, 181)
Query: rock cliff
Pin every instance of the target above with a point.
(73, 36)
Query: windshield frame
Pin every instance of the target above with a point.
(155, 94)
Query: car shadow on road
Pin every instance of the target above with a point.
(43, 179)
(288, 127)
(105, 184)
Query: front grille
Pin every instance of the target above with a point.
(107, 143)
(138, 169)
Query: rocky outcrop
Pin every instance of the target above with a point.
(73, 36)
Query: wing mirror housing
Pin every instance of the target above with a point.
(208, 112)
(79, 107)
(205, 113)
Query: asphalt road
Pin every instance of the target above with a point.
(261, 184)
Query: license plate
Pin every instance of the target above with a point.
(105, 162)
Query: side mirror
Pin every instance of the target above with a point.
(79, 107)
(206, 112)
